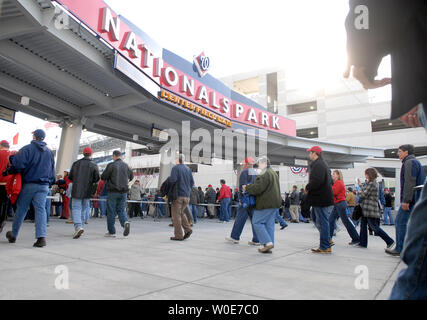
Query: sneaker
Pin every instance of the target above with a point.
(360, 246)
(318, 250)
(255, 244)
(230, 239)
(331, 243)
(78, 233)
(353, 243)
(188, 234)
(266, 248)
(9, 237)
(176, 239)
(283, 227)
(393, 252)
(127, 229)
(86, 222)
(109, 235)
(40, 243)
(391, 245)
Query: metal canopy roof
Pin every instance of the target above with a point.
(68, 73)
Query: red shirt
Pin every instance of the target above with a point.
(224, 192)
(339, 191)
(4, 160)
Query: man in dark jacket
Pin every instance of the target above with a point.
(194, 201)
(321, 197)
(117, 176)
(183, 178)
(201, 209)
(37, 167)
(210, 199)
(84, 175)
(411, 175)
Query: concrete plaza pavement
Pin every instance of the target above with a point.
(147, 265)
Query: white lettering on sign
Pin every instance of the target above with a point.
(158, 66)
(187, 86)
(264, 119)
(276, 123)
(238, 110)
(213, 100)
(172, 81)
(203, 94)
(252, 116)
(108, 21)
(225, 105)
(131, 45)
(147, 59)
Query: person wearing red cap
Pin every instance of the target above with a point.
(321, 197)
(247, 177)
(4, 160)
(84, 175)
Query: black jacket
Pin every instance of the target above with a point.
(169, 190)
(320, 184)
(84, 174)
(117, 176)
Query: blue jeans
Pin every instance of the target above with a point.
(263, 222)
(161, 210)
(103, 206)
(36, 194)
(340, 210)
(79, 211)
(194, 210)
(387, 215)
(280, 219)
(240, 221)
(412, 281)
(288, 214)
(322, 223)
(47, 207)
(116, 204)
(224, 214)
(376, 228)
(402, 219)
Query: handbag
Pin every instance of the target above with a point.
(357, 213)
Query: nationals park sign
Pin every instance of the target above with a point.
(177, 83)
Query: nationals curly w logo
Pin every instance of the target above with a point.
(202, 63)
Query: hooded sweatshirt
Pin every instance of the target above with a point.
(35, 163)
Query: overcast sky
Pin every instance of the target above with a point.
(305, 37)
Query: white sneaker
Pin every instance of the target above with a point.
(109, 235)
(78, 233)
(230, 239)
(251, 243)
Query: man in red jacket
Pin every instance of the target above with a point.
(4, 160)
(224, 199)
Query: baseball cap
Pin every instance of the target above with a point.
(316, 149)
(87, 150)
(4, 143)
(39, 134)
(249, 160)
(210, 186)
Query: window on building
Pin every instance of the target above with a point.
(309, 133)
(247, 87)
(387, 125)
(272, 95)
(302, 107)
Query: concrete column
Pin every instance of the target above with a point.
(166, 164)
(68, 147)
